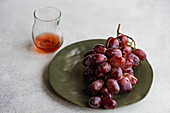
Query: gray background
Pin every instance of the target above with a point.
(24, 85)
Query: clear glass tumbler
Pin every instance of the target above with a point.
(46, 33)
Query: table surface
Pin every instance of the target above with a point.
(24, 86)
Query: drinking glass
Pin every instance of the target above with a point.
(46, 33)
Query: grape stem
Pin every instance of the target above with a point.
(119, 34)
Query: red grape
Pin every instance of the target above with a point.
(132, 78)
(95, 102)
(125, 84)
(111, 52)
(134, 58)
(100, 48)
(99, 74)
(97, 85)
(141, 54)
(123, 40)
(128, 63)
(104, 67)
(113, 86)
(116, 73)
(99, 58)
(117, 61)
(89, 53)
(88, 61)
(126, 50)
(105, 92)
(109, 103)
(112, 43)
(128, 70)
(107, 41)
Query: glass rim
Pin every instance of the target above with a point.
(49, 20)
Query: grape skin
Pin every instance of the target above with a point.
(126, 50)
(116, 73)
(123, 40)
(111, 52)
(95, 102)
(128, 63)
(88, 61)
(97, 85)
(107, 41)
(141, 54)
(99, 58)
(128, 70)
(104, 67)
(99, 74)
(109, 103)
(100, 48)
(105, 92)
(112, 43)
(132, 78)
(113, 86)
(117, 61)
(134, 58)
(125, 84)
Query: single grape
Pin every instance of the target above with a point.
(134, 58)
(113, 86)
(116, 73)
(89, 53)
(128, 63)
(95, 102)
(126, 50)
(141, 54)
(112, 43)
(123, 40)
(97, 85)
(104, 67)
(117, 61)
(88, 61)
(128, 70)
(100, 48)
(132, 78)
(111, 52)
(125, 84)
(99, 74)
(105, 92)
(107, 41)
(109, 103)
(99, 58)
(89, 71)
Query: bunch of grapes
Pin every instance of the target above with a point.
(109, 69)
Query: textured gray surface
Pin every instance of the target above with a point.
(24, 86)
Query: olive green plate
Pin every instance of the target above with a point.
(66, 76)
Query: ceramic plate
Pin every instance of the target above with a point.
(66, 76)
